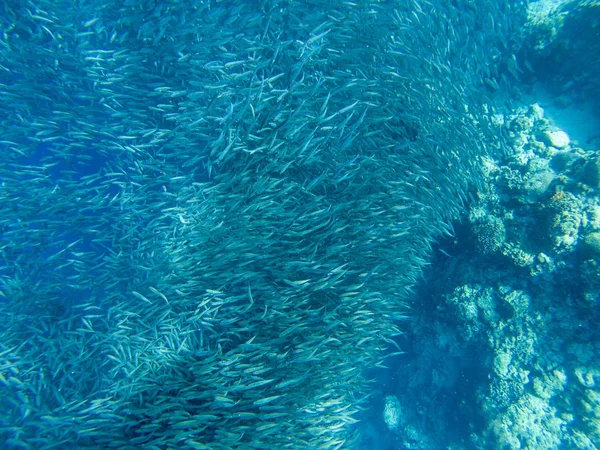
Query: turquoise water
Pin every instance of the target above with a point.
(297, 224)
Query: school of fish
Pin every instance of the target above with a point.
(212, 212)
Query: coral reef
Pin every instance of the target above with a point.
(506, 336)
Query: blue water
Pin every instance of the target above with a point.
(259, 224)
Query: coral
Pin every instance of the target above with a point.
(588, 377)
(518, 301)
(591, 172)
(557, 138)
(535, 423)
(518, 256)
(564, 160)
(532, 324)
(589, 409)
(501, 366)
(564, 215)
(590, 282)
(392, 412)
(592, 243)
(593, 216)
(489, 233)
(539, 176)
(548, 385)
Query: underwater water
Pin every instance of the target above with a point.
(299, 224)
